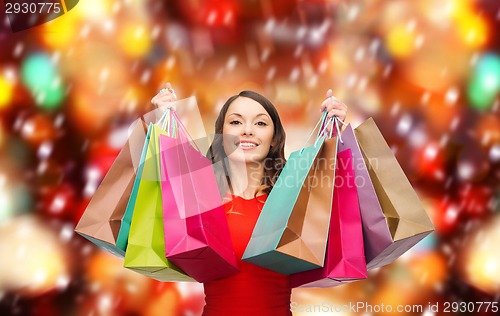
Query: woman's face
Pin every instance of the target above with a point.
(248, 131)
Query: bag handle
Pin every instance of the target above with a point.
(170, 123)
(166, 123)
(162, 118)
(335, 121)
(183, 133)
(320, 122)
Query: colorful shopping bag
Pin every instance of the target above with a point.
(123, 233)
(291, 232)
(159, 117)
(145, 252)
(406, 218)
(345, 259)
(197, 237)
(102, 219)
(377, 236)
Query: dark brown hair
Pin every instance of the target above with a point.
(275, 159)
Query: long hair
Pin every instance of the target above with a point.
(275, 159)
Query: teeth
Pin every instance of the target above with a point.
(247, 145)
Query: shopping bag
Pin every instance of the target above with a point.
(197, 237)
(406, 218)
(123, 233)
(291, 232)
(159, 117)
(101, 221)
(345, 258)
(145, 251)
(377, 236)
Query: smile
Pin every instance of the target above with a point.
(247, 144)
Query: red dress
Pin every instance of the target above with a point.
(254, 290)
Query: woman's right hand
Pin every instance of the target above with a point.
(165, 98)
(334, 106)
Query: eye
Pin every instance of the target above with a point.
(234, 122)
(262, 123)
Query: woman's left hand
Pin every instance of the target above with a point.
(334, 106)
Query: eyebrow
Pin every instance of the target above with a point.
(260, 114)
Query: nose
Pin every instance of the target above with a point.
(247, 129)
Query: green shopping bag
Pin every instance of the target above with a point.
(145, 251)
(291, 233)
(160, 120)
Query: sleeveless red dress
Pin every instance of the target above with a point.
(254, 290)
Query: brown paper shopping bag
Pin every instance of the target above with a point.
(406, 218)
(101, 221)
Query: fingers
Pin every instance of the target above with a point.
(339, 110)
(323, 105)
(169, 89)
(341, 114)
(168, 85)
(329, 97)
(334, 107)
(165, 97)
(163, 100)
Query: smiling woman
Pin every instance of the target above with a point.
(250, 145)
(256, 129)
(247, 155)
(250, 134)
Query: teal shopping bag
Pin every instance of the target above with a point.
(291, 233)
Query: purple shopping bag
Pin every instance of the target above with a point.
(377, 236)
(345, 258)
(197, 237)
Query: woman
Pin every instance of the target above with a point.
(252, 152)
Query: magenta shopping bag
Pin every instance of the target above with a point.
(345, 257)
(377, 236)
(197, 237)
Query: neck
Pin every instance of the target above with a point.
(245, 177)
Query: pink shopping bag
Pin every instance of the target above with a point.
(345, 257)
(197, 237)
